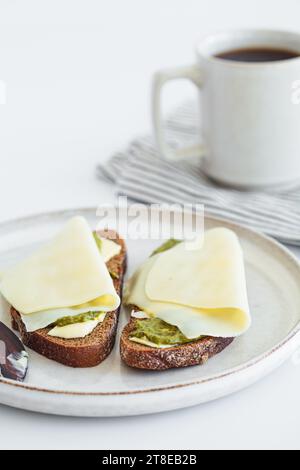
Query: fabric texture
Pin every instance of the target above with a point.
(142, 175)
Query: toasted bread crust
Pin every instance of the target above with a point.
(80, 352)
(190, 354)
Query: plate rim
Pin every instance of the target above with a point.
(231, 372)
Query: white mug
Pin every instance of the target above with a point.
(250, 129)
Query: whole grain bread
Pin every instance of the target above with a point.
(189, 354)
(94, 348)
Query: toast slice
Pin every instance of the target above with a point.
(92, 349)
(189, 354)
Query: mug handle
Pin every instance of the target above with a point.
(192, 73)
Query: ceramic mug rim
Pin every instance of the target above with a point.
(208, 45)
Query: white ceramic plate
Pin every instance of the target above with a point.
(113, 389)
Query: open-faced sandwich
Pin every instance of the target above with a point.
(188, 302)
(65, 297)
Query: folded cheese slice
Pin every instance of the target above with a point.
(200, 288)
(67, 276)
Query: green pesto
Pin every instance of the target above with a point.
(98, 241)
(113, 274)
(159, 332)
(80, 318)
(166, 246)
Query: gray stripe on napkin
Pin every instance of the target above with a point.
(141, 175)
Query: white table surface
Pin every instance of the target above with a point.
(78, 87)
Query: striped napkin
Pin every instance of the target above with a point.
(140, 174)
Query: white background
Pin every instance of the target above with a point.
(78, 75)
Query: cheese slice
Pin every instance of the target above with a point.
(202, 290)
(76, 330)
(109, 249)
(69, 271)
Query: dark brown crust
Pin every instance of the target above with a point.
(190, 354)
(81, 352)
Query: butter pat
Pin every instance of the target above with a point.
(140, 314)
(146, 342)
(76, 330)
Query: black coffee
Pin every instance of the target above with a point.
(258, 54)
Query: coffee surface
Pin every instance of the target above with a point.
(258, 54)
